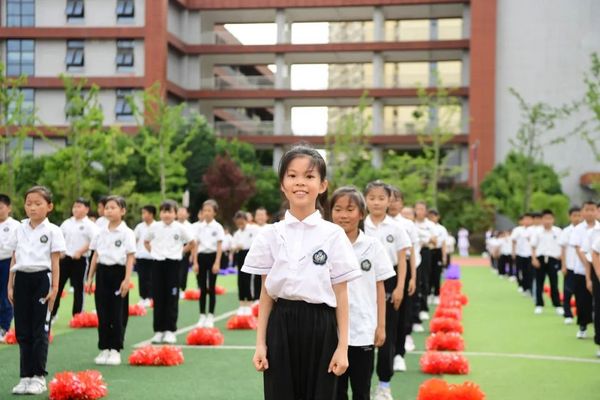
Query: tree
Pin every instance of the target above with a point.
(590, 127)
(410, 174)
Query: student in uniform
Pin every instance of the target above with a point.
(167, 241)
(366, 296)
(242, 240)
(226, 247)
(143, 259)
(438, 256)
(183, 216)
(505, 264)
(36, 245)
(209, 238)
(306, 262)
(427, 233)
(521, 252)
(261, 217)
(595, 274)
(101, 221)
(114, 255)
(396, 242)
(568, 263)
(78, 232)
(545, 259)
(8, 225)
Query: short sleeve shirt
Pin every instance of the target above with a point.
(113, 246)
(546, 242)
(7, 229)
(208, 235)
(520, 236)
(78, 233)
(167, 241)
(580, 238)
(391, 235)
(242, 239)
(33, 247)
(140, 232)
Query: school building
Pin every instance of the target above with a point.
(257, 90)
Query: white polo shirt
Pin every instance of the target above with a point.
(505, 246)
(547, 242)
(227, 242)
(520, 236)
(440, 232)
(450, 244)
(391, 235)
(208, 235)
(34, 247)
(7, 229)
(140, 232)
(167, 241)
(242, 239)
(426, 231)
(101, 222)
(580, 237)
(413, 234)
(303, 259)
(78, 233)
(596, 245)
(592, 237)
(362, 293)
(563, 241)
(113, 246)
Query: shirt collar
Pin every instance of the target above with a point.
(386, 220)
(312, 220)
(360, 239)
(119, 228)
(41, 225)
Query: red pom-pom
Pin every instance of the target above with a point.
(441, 341)
(131, 285)
(205, 337)
(466, 391)
(456, 299)
(451, 286)
(242, 322)
(84, 320)
(11, 337)
(453, 313)
(156, 356)
(64, 294)
(572, 302)
(445, 325)
(85, 385)
(191, 294)
(435, 363)
(255, 310)
(434, 389)
(546, 289)
(219, 290)
(137, 310)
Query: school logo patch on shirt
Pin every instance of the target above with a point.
(214, 233)
(176, 237)
(118, 243)
(44, 239)
(320, 258)
(365, 265)
(390, 238)
(6, 229)
(81, 228)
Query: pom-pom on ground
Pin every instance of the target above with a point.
(438, 389)
(445, 312)
(219, 290)
(255, 310)
(11, 337)
(156, 356)
(191, 294)
(205, 337)
(242, 322)
(84, 320)
(452, 272)
(441, 341)
(85, 385)
(436, 363)
(445, 325)
(137, 310)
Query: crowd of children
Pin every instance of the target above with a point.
(537, 249)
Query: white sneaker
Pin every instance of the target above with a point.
(37, 385)
(158, 337)
(102, 357)
(383, 394)
(169, 338)
(418, 328)
(142, 303)
(114, 358)
(568, 321)
(22, 386)
(560, 311)
(512, 278)
(181, 295)
(598, 353)
(399, 364)
(2, 335)
(147, 303)
(210, 321)
(581, 334)
(424, 316)
(436, 301)
(240, 311)
(538, 310)
(430, 299)
(409, 344)
(520, 289)
(202, 321)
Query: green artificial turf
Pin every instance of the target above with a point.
(497, 320)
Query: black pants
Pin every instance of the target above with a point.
(225, 260)
(523, 272)
(6, 309)
(301, 339)
(32, 322)
(596, 295)
(568, 293)
(75, 271)
(144, 267)
(207, 281)
(244, 280)
(386, 353)
(359, 372)
(505, 265)
(111, 306)
(184, 268)
(548, 266)
(423, 278)
(435, 276)
(583, 301)
(404, 316)
(165, 286)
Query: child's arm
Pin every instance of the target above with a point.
(128, 269)
(265, 305)
(412, 284)
(380, 330)
(398, 293)
(217, 265)
(55, 259)
(11, 280)
(339, 362)
(148, 246)
(596, 263)
(79, 253)
(91, 273)
(534, 261)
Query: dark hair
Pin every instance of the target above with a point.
(117, 199)
(433, 211)
(355, 196)
(168, 205)
(421, 202)
(396, 193)
(589, 203)
(378, 184)
(212, 203)
(574, 209)
(5, 199)
(42, 191)
(316, 161)
(240, 215)
(536, 214)
(547, 212)
(103, 200)
(528, 214)
(150, 208)
(81, 200)
(261, 209)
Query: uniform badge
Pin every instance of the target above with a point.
(118, 243)
(390, 238)
(44, 239)
(365, 265)
(6, 229)
(176, 237)
(214, 233)
(249, 235)
(81, 228)
(320, 258)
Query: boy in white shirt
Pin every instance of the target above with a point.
(568, 263)
(143, 258)
(7, 227)
(521, 252)
(438, 256)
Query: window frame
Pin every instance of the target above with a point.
(125, 58)
(75, 10)
(75, 57)
(123, 110)
(20, 15)
(125, 10)
(20, 64)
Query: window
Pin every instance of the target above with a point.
(75, 10)
(27, 107)
(75, 54)
(20, 57)
(125, 54)
(20, 13)
(125, 9)
(123, 110)
(75, 105)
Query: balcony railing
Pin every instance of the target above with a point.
(238, 82)
(237, 128)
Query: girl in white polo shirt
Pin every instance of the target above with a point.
(114, 254)
(33, 285)
(366, 295)
(302, 335)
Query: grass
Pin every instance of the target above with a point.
(497, 320)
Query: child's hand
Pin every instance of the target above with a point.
(11, 295)
(88, 286)
(412, 286)
(124, 287)
(535, 262)
(260, 359)
(51, 297)
(216, 268)
(588, 285)
(339, 362)
(379, 336)
(397, 296)
(195, 268)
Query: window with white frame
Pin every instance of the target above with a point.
(125, 9)
(75, 54)
(123, 109)
(75, 10)
(125, 59)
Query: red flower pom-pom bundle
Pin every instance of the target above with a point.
(255, 310)
(156, 356)
(219, 290)
(242, 322)
(437, 389)
(445, 312)
(137, 310)
(451, 286)
(84, 320)
(435, 363)
(441, 341)
(11, 337)
(205, 337)
(86, 385)
(453, 299)
(64, 294)
(191, 294)
(445, 325)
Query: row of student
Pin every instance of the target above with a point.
(537, 248)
